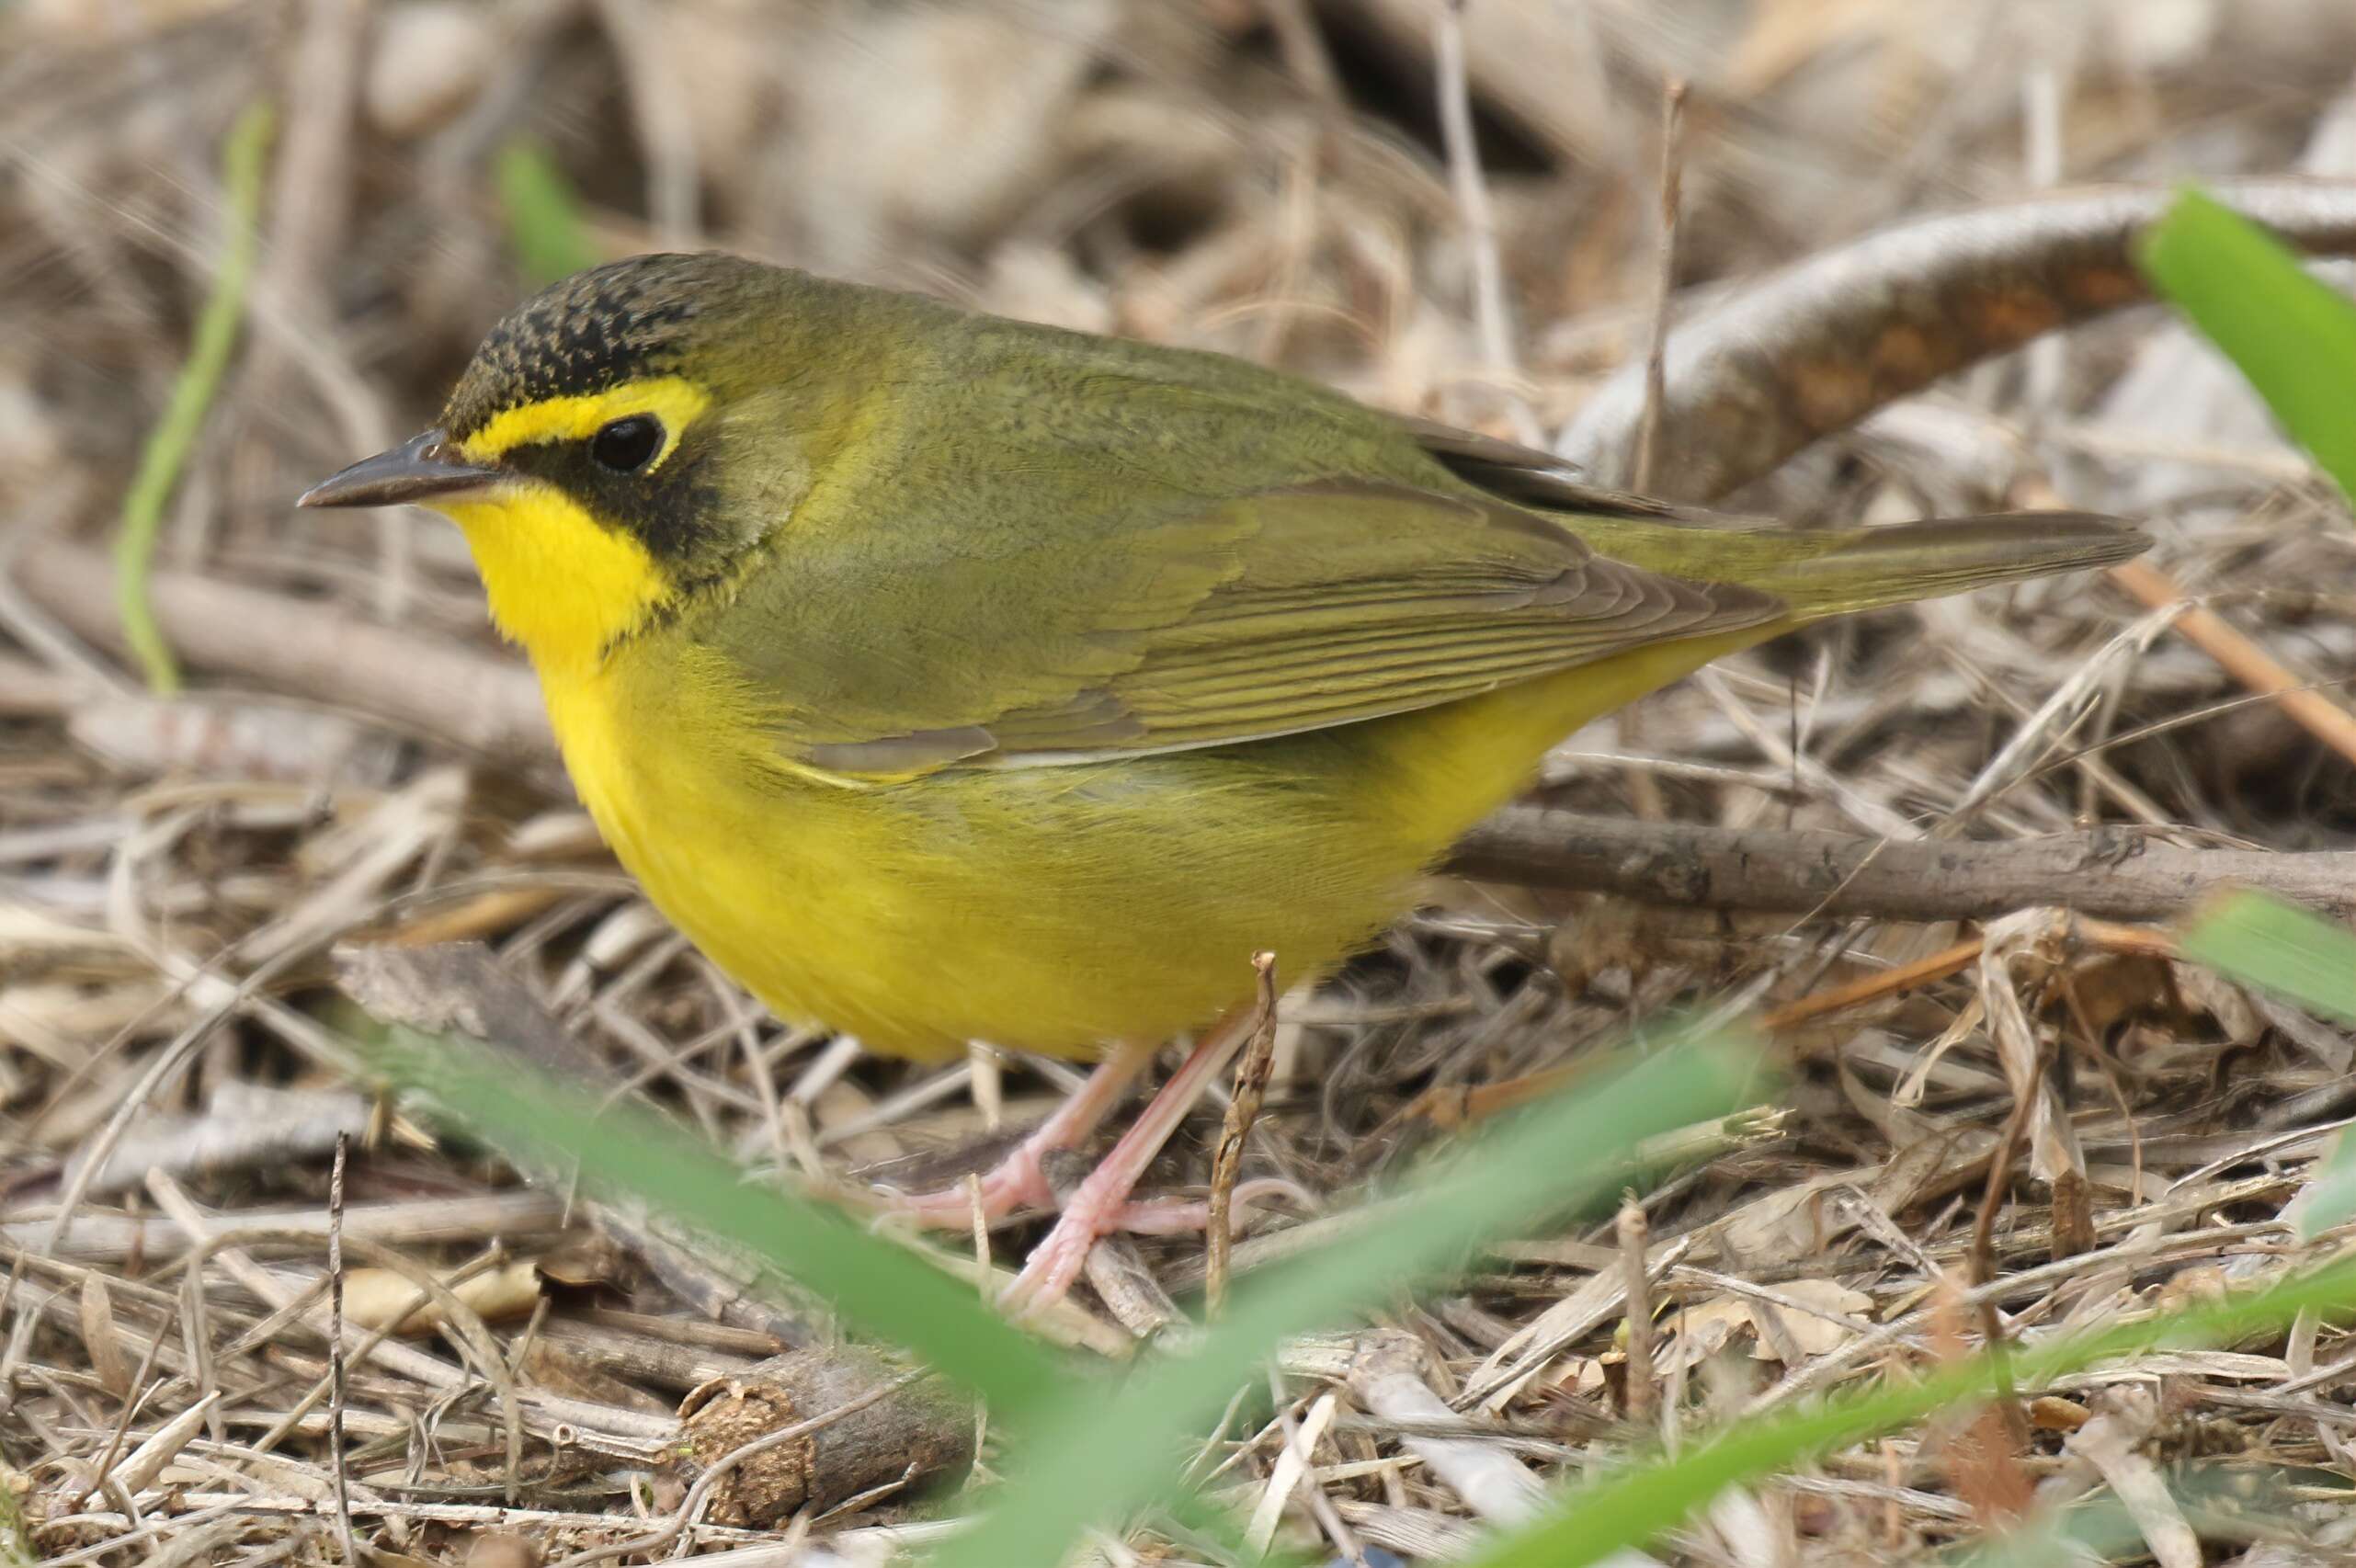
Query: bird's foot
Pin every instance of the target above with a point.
(1101, 1208)
(1019, 1182)
(1014, 1183)
(1100, 1205)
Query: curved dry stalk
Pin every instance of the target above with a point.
(1819, 346)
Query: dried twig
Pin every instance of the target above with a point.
(1472, 202)
(659, 111)
(311, 199)
(983, 1269)
(110, 1238)
(140, 1468)
(1292, 1466)
(1307, 57)
(336, 1448)
(1386, 1374)
(307, 649)
(459, 987)
(101, 1341)
(2242, 658)
(1648, 429)
(312, 189)
(1981, 1259)
(1251, 1085)
(1637, 1284)
(242, 1125)
(1895, 981)
(2118, 874)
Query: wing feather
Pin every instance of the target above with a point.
(1269, 614)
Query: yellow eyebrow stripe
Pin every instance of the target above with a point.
(671, 398)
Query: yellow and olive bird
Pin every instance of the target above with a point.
(947, 678)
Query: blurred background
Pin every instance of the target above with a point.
(1319, 184)
(1453, 213)
(1262, 176)
(1450, 214)
(1269, 177)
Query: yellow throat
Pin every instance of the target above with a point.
(561, 583)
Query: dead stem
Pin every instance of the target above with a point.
(1642, 1399)
(336, 1444)
(1648, 429)
(2112, 872)
(1472, 193)
(1228, 1159)
(1979, 1257)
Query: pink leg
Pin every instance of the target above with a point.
(1099, 1205)
(1017, 1181)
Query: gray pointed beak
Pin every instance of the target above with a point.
(426, 468)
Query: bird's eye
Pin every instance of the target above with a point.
(627, 445)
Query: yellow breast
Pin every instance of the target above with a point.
(1057, 909)
(1060, 910)
(727, 850)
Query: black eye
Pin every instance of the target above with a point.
(627, 445)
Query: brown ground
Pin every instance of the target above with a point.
(1268, 178)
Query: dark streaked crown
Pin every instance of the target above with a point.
(618, 323)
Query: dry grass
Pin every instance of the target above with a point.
(1266, 179)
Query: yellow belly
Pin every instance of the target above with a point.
(1055, 909)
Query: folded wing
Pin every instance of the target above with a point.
(1268, 614)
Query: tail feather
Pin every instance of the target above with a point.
(1866, 568)
(1824, 572)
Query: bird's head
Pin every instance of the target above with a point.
(622, 438)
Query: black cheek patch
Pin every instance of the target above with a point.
(670, 509)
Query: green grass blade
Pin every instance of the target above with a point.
(545, 232)
(243, 156)
(2278, 947)
(1630, 1509)
(875, 1284)
(1107, 1453)
(2292, 336)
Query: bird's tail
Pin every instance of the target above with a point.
(1825, 572)
(1866, 568)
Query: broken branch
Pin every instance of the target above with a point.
(2115, 873)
